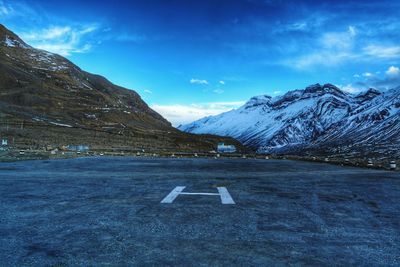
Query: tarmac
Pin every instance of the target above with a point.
(197, 212)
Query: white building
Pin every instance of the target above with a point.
(222, 148)
(4, 142)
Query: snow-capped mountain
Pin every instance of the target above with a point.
(372, 128)
(318, 117)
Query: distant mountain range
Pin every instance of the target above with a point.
(46, 99)
(320, 119)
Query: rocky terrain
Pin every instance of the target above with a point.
(46, 100)
(318, 120)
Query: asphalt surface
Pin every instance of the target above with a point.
(107, 211)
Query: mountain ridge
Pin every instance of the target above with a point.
(319, 118)
(45, 90)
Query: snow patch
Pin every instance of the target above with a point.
(61, 124)
(10, 42)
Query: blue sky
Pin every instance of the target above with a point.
(189, 59)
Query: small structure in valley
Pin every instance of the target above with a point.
(79, 148)
(4, 145)
(222, 148)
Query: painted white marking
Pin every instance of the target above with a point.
(204, 194)
(222, 192)
(225, 196)
(174, 194)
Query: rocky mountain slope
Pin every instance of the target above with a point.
(46, 99)
(319, 119)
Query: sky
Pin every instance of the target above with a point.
(189, 59)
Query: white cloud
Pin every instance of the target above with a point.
(63, 40)
(181, 114)
(277, 92)
(12, 9)
(88, 29)
(339, 40)
(147, 91)
(324, 58)
(379, 51)
(298, 26)
(334, 48)
(309, 23)
(222, 82)
(391, 79)
(219, 91)
(5, 10)
(356, 75)
(393, 71)
(352, 30)
(198, 81)
(367, 74)
(50, 33)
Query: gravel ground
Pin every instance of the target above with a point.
(107, 211)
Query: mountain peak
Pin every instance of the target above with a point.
(329, 86)
(368, 95)
(313, 88)
(6, 32)
(326, 88)
(258, 101)
(2, 29)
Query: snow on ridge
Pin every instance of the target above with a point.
(11, 42)
(8, 42)
(47, 61)
(301, 117)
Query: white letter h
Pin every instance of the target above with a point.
(222, 192)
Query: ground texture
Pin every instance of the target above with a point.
(107, 211)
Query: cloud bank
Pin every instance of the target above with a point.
(63, 40)
(179, 114)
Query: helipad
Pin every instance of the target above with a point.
(109, 211)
